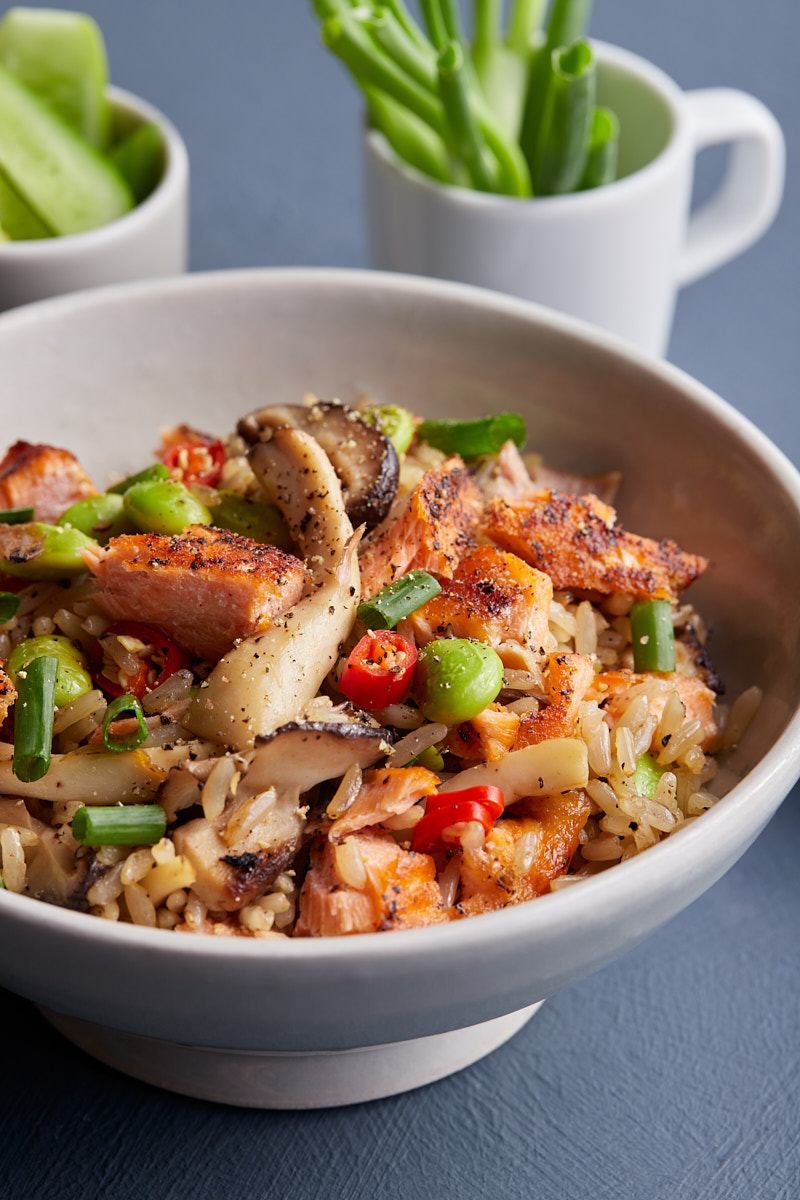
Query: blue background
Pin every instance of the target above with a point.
(673, 1073)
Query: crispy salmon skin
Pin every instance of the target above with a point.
(579, 543)
(205, 587)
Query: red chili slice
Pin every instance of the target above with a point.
(195, 462)
(427, 835)
(490, 797)
(380, 670)
(171, 657)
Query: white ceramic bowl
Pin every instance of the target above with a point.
(318, 1022)
(148, 242)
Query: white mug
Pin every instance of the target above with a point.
(149, 241)
(614, 256)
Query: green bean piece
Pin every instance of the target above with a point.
(121, 707)
(646, 776)
(72, 678)
(251, 518)
(465, 136)
(39, 551)
(9, 603)
(411, 139)
(33, 719)
(471, 439)
(389, 35)
(652, 636)
(119, 825)
(345, 37)
(156, 471)
(601, 160)
(568, 22)
(101, 517)
(16, 516)
(164, 506)
(567, 121)
(456, 678)
(394, 422)
(398, 600)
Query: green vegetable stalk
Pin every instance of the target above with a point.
(510, 112)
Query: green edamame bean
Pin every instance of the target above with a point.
(456, 678)
(72, 677)
(164, 506)
(155, 471)
(252, 518)
(101, 517)
(394, 422)
(39, 551)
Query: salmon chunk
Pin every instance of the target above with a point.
(433, 533)
(384, 793)
(522, 854)
(613, 690)
(487, 737)
(8, 695)
(578, 542)
(568, 678)
(493, 596)
(368, 883)
(205, 587)
(44, 478)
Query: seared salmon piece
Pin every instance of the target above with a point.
(486, 737)
(494, 597)
(578, 542)
(205, 587)
(611, 688)
(433, 533)
(366, 883)
(384, 793)
(42, 477)
(522, 854)
(568, 678)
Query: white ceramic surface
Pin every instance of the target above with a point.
(101, 372)
(616, 255)
(148, 242)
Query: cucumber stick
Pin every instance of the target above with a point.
(61, 57)
(17, 219)
(69, 185)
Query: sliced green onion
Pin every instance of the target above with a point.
(646, 776)
(119, 825)
(465, 134)
(470, 439)
(156, 471)
(652, 636)
(33, 718)
(122, 706)
(394, 422)
(430, 758)
(601, 161)
(398, 600)
(566, 123)
(16, 516)
(9, 603)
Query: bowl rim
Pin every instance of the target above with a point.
(750, 803)
(172, 184)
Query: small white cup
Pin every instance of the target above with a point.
(616, 255)
(149, 241)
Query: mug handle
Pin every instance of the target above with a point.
(745, 204)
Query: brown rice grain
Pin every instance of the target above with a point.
(346, 792)
(602, 849)
(12, 855)
(176, 901)
(349, 864)
(140, 905)
(215, 788)
(248, 815)
(195, 912)
(136, 867)
(448, 881)
(108, 888)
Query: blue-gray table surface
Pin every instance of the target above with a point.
(674, 1073)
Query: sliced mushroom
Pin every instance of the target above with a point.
(363, 457)
(239, 855)
(267, 679)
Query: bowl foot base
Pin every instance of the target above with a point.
(290, 1080)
